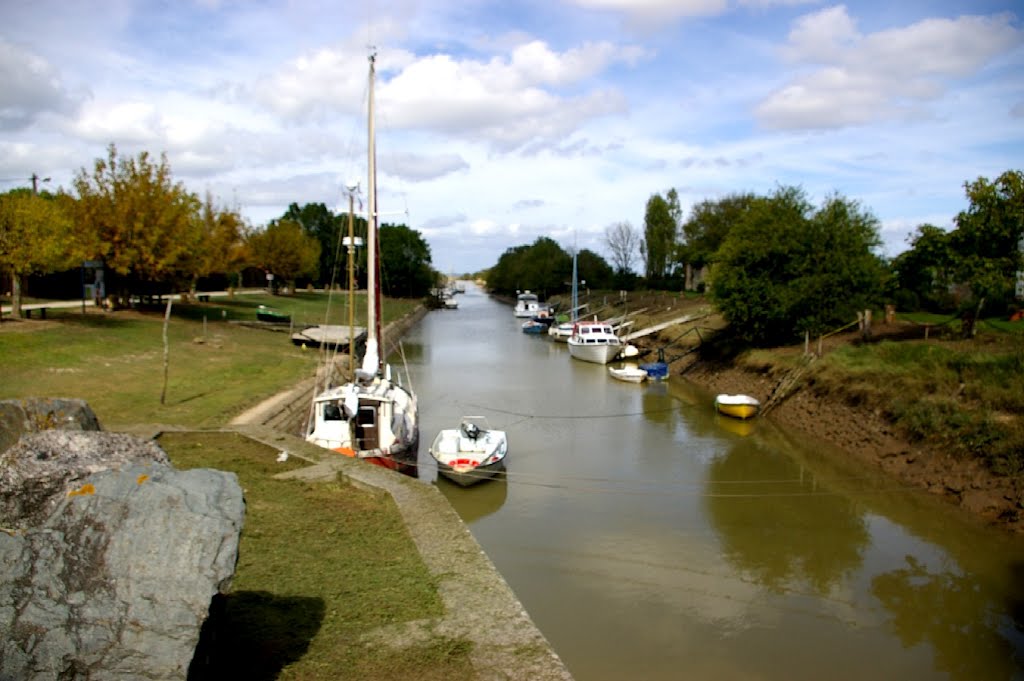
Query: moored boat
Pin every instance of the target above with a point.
(528, 305)
(269, 314)
(560, 331)
(737, 406)
(630, 373)
(470, 453)
(657, 371)
(534, 327)
(372, 417)
(593, 341)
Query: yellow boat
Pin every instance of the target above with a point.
(737, 406)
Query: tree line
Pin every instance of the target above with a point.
(776, 266)
(151, 235)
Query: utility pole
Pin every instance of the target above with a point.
(35, 182)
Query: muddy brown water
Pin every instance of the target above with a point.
(649, 538)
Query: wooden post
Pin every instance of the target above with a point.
(167, 348)
(807, 342)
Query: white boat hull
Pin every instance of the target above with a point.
(596, 353)
(375, 420)
(466, 456)
(560, 332)
(629, 374)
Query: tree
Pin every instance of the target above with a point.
(326, 227)
(659, 237)
(35, 237)
(708, 225)
(285, 250)
(542, 267)
(703, 233)
(595, 270)
(223, 238)
(785, 268)
(922, 274)
(142, 225)
(988, 240)
(624, 242)
(405, 262)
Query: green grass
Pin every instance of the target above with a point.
(115, 360)
(320, 566)
(965, 397)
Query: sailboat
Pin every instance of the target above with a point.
(563, 329)
(373, 416)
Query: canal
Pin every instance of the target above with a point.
(649, 538)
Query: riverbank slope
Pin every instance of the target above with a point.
(858, 427)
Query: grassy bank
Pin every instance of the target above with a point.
(964, 397)
(217, 366)
(320, 566)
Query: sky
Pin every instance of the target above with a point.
(501, 122)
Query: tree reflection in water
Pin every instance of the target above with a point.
(776, 524)
(970, 632)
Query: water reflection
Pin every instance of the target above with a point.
(777, 524)
(478, 501)
(956, 615)
(738, 427)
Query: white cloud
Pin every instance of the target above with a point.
(31, 87)
(131, 121)
(484, 227)
(887, 75)
(505, 102)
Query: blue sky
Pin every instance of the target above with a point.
(503, 121)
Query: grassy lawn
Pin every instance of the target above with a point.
(320, 565)
(115, 361)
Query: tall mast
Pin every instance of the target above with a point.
(372, 359)
(575, 289)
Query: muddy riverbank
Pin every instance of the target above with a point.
(865, 434)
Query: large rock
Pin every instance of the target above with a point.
(38, 471)
(111, 574)
(35, 414)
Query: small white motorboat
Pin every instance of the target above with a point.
(629, 373)
(470, 453)
(737, 406)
